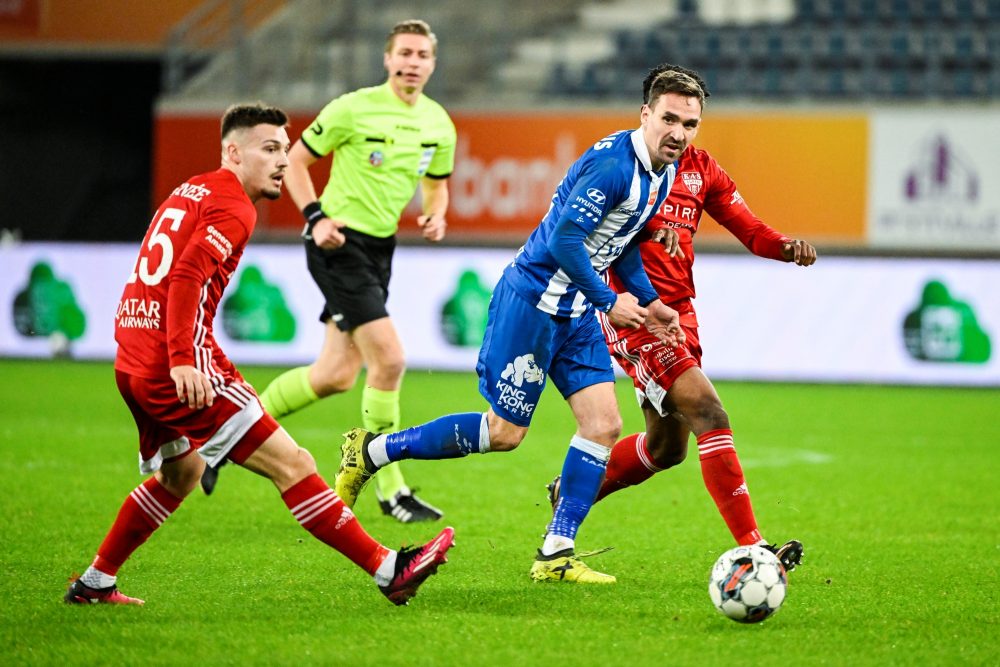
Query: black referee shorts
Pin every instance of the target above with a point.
(353, 278)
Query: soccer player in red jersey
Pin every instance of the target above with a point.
(677, 398)
(189, 402)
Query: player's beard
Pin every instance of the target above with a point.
(272, 193)
(670, 154)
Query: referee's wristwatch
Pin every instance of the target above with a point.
(313, 213)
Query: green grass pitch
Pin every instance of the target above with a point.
(894, 492)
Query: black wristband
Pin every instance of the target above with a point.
(313, 213)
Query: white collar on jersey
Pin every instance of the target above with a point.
(639, 144)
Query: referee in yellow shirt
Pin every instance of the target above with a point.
(386, 141)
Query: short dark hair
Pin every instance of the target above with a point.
(647, 83)
(411, 27)
(240, 116)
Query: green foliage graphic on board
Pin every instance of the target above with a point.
(256, 311)
(464, 314)
(47, 306)
(944, 329)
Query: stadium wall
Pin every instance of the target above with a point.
(105, 25)
(881, 178)
(847, 319)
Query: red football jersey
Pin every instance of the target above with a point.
(701, 186)
(187, 258)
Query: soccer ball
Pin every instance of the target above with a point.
(747, 584)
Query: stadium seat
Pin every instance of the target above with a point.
(877, 49)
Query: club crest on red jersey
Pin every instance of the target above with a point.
(693, 181)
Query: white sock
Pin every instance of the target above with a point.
(484, 435)
(376, 452)
(554, 543)
(94, 578)
(383, 575)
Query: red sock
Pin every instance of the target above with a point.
(720, 467)
(630, 464)
(321, 511)
(145, 509)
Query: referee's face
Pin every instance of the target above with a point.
(410, 62)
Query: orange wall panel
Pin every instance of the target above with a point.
(803, 174)
(20, 17)
(508, 165)
(104, 23)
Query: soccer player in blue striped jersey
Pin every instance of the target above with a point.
(541, 323)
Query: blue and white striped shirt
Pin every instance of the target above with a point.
(605, 199)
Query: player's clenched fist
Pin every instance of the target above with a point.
(432, 227)
(627, 312)
(327, 235)
(193, 387)
(800, 252)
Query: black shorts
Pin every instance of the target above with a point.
(353, 278)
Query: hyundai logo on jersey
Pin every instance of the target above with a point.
(596, 195)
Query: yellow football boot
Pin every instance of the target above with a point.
(566, 566)
(355, 467)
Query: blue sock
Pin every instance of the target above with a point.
(582, 474)
(445, 438)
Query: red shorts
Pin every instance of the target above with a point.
(234, 426)
(653, 365)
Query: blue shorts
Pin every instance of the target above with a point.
(523, 344)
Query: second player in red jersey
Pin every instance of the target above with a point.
(189, 403)
(702, 186)
(677, 398)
